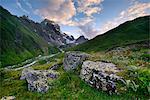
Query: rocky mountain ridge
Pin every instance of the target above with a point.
(51, 32)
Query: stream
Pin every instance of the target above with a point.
(30, 62)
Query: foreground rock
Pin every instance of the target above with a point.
(73, 59)
(55, 67)
(38, 80)
(8, 98)
(101, 75)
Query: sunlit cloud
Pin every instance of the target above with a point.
(28, 4)
(89, 7)
(20, 6)
(59, 11)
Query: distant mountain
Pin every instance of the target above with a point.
(19, 40)
(129, 32)
(81, 40)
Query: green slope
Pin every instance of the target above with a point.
(18, 42)
(126, 33)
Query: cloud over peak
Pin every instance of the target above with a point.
(89, 7)
(58, 10)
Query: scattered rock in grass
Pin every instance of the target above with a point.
(101, 75)
(51, 75)
(73, 59)
(132, 68)
(117, 50)
(54, 67)
(8, 98)
(38, 79)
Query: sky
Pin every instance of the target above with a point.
(80, 17)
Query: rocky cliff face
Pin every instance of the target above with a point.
(55, 35)
(49, 30)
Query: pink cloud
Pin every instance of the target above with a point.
(58, 10)
(86, 6)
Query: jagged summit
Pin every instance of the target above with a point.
(48, 21)
(81, 40)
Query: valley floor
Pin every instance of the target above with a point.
(69, 86)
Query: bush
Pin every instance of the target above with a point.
(42, 61)
(144, 81)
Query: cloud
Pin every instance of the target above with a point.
(59, 11)
(85, 25)
(81, 22)
(20, 6)
(28, 4)
(89, 30)
(132, 2)
(89, 7)
(91, 10)
(137, 10)
(134, 11)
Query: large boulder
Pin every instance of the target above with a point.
(73, 59)
(38, 79)
(101, 75)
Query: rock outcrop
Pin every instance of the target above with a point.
(101, 75)
(38, 79)
(8, 98)
(73, 59)
(48, 30)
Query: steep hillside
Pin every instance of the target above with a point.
(18, 42)
(126, 33)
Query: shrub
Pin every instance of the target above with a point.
(42, 61)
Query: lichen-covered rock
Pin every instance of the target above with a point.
(8, 98)
(38, 79)
(101, 75)
(73, 59)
